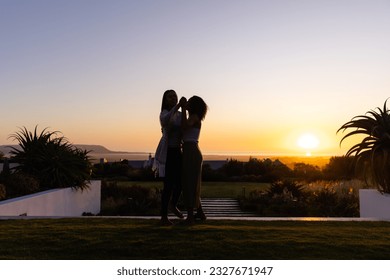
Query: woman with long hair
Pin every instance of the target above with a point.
(168, 158)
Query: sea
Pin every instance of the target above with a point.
(288, 160)
(99, 152)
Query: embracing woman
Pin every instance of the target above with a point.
(192, 157)
(168, 158)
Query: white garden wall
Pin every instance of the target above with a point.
(373, 204)
(57, 202)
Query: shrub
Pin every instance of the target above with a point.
(111, 170)
(19, 184)
(208, 174)
(233, 168)
(283, 198)
(3, 192)
(307, 171)
(51, 159)
(321, 199)
(292, 189)
(323, 202)
(334, 199)
(286, 198)
(134, 200)
(339, 168)
(348, 204)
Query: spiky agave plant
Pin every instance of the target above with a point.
(51, 159)
(31, 149)
(373, 152)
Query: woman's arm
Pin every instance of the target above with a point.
(165, 115)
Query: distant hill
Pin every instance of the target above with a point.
(5, 149)
(95, 149)
(99, 149)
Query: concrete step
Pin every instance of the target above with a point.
(223, 207)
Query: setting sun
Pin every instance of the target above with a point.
(308, 142)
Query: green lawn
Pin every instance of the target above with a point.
(116, 238)
(211, 189)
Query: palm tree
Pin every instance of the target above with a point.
(51, 159)
(372, 154)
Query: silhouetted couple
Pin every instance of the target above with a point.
(178, 158)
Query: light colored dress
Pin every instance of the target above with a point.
(170, 126)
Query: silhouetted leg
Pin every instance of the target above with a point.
(200, 215)
(190, 216)
(176, 172)
(175, 199)
(165, 197)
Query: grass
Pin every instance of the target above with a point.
(115, 238)
(211, 189)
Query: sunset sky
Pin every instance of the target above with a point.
(271, 71)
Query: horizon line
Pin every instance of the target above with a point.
(212, 153)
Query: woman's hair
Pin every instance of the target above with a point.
(197, 106)
(164, 105)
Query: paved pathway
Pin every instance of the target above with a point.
(215, 209)
(269, 219)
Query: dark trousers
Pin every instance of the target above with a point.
(172, 181)
(192, 174)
